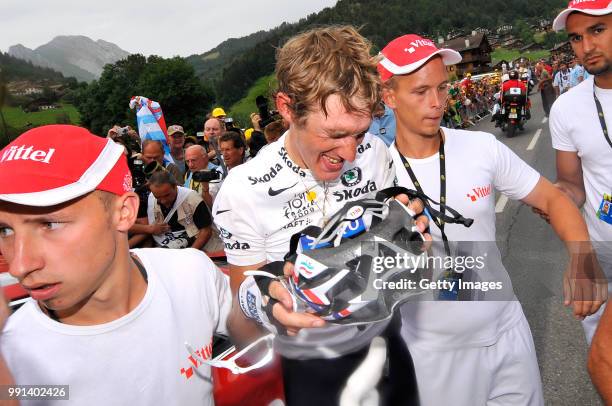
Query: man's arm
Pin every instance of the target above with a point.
(202, 238)
(600, 357)
(206, 195)
(203, 221)
(569, 176)
(585, 286)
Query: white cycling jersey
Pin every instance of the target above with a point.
(263, 202)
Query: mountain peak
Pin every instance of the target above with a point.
(72, 55)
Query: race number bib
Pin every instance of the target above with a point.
(515, 90)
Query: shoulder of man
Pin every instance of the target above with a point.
(184, 264)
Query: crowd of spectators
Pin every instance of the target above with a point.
(175, 208)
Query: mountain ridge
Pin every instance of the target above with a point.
(72, 55)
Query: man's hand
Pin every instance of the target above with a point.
(584, 284)
(417, 207)
(283, 311)
(159, 228)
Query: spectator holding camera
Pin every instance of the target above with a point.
(182, 209)
(213, 128)
(197, 160)
(153, 161)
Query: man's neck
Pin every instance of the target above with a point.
(604, 80)
(121, 291)
(293, 150)
(417, 146)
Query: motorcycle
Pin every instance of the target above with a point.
(513, 111)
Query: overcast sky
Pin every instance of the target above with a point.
(161, 27)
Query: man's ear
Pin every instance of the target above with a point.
(283, 104)
(126, 211)
(388, 96)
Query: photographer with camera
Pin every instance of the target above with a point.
(182, 209)
(203, 177)
(151, 161)
(213, 128)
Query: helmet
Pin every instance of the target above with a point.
(342, 272)
(339, 275)
(513, 75)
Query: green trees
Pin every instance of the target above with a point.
(171, 82)
(381, 21)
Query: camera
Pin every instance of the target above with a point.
(266, 116)
(138, 175)
(229, 123)
(151, 168)
(206, 175)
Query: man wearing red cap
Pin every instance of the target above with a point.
(580, 122)
(109, 322)
(467, 352)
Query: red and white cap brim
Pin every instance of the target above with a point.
(79, 166)
(449, 57)
(561, 19)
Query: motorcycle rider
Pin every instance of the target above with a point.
(513, 82)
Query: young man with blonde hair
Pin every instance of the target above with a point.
(472, 346)
(327, 91)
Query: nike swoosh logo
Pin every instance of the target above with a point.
(221, 211)
(273, 192)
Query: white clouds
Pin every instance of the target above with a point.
(162, 27)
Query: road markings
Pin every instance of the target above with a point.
(501, 204)
(544, 120)
(534, 140)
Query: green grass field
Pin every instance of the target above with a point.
(512, 54)
(242, 109)
(15, 117)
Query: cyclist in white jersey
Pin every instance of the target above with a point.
(325, 160)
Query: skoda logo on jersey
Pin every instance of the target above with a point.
(224, 233)
(351, 177)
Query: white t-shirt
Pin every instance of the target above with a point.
(562, 81)
(140, 358)
(476, 164)
(263, 202)
(575, 127)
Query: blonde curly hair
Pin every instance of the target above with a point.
(322, 62)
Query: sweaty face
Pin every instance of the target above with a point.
(591, 39)
(212, 129)
(195, 160)
(231, 155)
(61, 254)
(419, 99)
(165, 194)
(151, 153)
(322, 143)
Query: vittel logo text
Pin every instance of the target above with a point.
(22, 152)
(422, 43)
